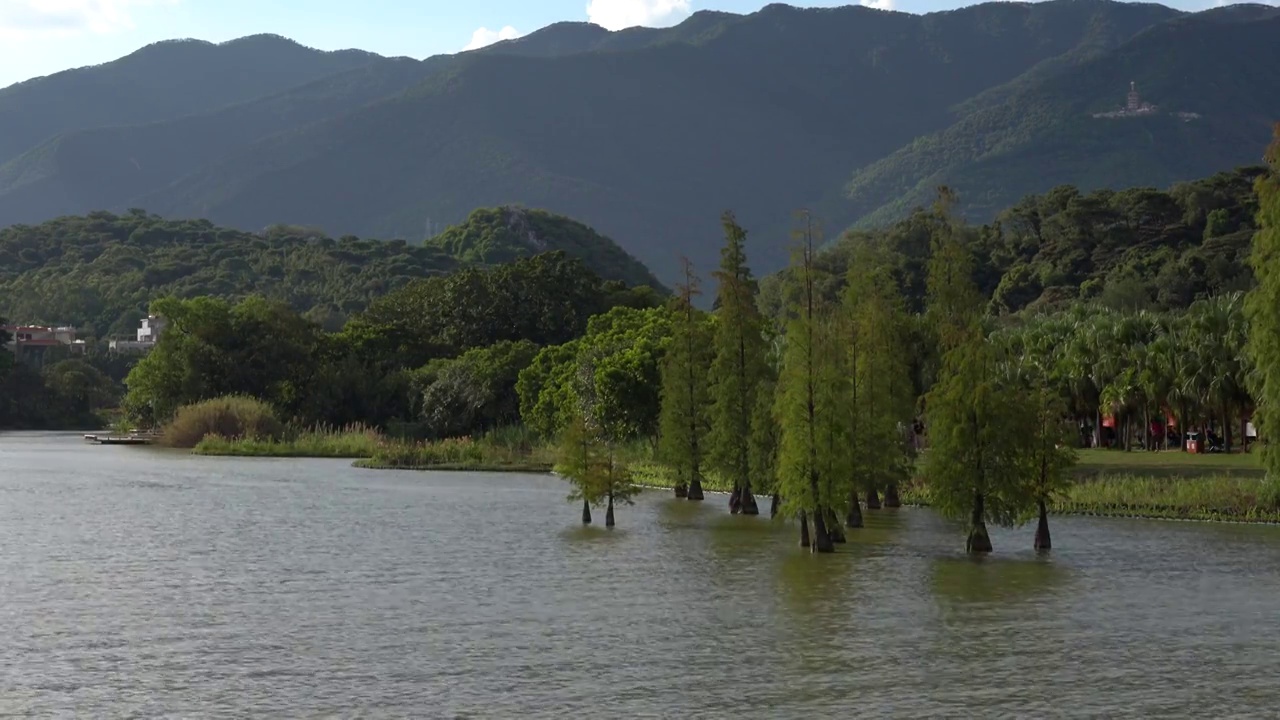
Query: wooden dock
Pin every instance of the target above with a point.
(121, 439)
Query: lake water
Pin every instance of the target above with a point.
(139, 582)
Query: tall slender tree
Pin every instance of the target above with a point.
(764, 442)
(1050, 457)
(881, 400)
(685, 417)
(802, 454)
(738, 370)
(578, 462)
(1263, 309)
(974, 466)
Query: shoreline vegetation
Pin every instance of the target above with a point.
(1163, 485)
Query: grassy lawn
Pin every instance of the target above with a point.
(1166, 463)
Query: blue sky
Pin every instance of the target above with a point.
(39, 37)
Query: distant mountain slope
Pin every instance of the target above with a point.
(158, 82)
(759, 113)
(110, 167)
(1218, 64)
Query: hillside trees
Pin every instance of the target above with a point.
(99, 272)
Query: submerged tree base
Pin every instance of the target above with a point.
(735, 502)
(821, 535)
(682, 490)
(891, 497)
(774, 505)
(695, 490)
(608, 514)
(833, 528)
(1043, 542)
(749, 506)
(979, 541)
(854, 518)
(586, 513)
(873, 500)
(804, 530)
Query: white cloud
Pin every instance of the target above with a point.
(484, 36)
(619, 14)
(33, 18)
(877, 4)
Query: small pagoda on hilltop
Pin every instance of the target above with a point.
(1135, 106)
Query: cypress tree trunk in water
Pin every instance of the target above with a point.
(891, 497)
(586, 513)
(979, 541)
(608, 514)
(833, 524)
(873, 499)
(804, 529)
(854, 520)
(774, 504)
(735, 502)
(821, 536)
(1042, 529)
(749, 506)
(695, 489)
(682, 490)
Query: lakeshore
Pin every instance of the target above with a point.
(1160, 485)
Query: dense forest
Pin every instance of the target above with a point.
(99, 272)
(387, 361)
(996, 100)
(1135, 249)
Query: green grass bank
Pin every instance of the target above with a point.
(1166, 485)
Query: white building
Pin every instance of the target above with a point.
(147, 336)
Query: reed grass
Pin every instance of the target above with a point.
(504, 449)
(353, 441)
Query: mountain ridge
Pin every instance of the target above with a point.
(648, 134)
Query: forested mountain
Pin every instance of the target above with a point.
(647, 134)
(100, 272)
(159, 82)
(1217, 65)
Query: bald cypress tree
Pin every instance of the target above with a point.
(684, 417)
(589, 458)
(738, 371)
(881, 396)
(803, 402)
(975, 466)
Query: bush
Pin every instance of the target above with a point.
(232, 417)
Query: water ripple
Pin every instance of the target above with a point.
(143, 584)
